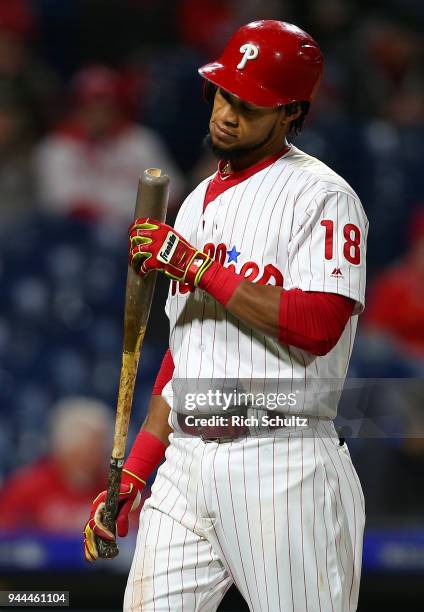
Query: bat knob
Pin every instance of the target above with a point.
(107, 550)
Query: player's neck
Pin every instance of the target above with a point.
(255, 157)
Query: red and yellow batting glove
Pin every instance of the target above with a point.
(157, 246)
(129, 500)
(147, 452)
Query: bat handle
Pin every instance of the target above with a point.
(107, 549)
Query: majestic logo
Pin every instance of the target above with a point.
(168, 248)
(337, 273)
(250, 52)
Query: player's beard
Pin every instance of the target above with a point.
(236, 152)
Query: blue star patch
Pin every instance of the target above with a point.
(233, 254)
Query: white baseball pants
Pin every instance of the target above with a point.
(282, 517)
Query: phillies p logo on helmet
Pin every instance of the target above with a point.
(250, 51)
(289, 68)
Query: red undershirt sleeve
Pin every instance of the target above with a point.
(165, 373)
(148, 450)
(313, 321)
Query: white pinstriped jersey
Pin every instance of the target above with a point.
(296, 224)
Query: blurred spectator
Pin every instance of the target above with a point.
(16, 27)
(53, 494)
(35, 82)
(406, 108)
(389, 56)
(396, 301)
(252, 10)
(206, 25)
(90, 165)
(16, 186)
(330, 19)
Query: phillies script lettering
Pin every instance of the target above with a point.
(270, 275)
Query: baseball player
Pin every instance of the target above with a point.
(267, 269)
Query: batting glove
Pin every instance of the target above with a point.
(129, 500)
(157, 246)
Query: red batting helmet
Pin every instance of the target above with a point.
(268, 63)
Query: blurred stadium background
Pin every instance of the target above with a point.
(92, 92)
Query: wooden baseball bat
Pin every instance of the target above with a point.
(152, 201)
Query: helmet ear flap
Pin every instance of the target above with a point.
(209, 91)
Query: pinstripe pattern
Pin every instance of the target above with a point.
(286, 528)
(272, 217)
(281, 517)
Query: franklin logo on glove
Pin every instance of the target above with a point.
(170, 246)
(157, 246)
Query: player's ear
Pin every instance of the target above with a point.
(292, 112)
(282, 114)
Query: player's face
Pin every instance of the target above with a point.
(236, 125)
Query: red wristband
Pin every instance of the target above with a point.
(146, 454)
(220, 282)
